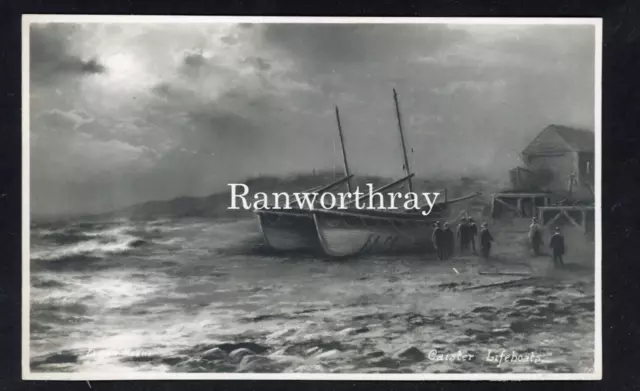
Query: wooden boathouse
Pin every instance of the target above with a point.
(555, 183)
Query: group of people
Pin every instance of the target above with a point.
(556, 243)
(444, 240)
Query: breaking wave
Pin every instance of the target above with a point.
(73, 243)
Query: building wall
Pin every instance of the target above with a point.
(561, 165)
(585, 169)
(549, 151)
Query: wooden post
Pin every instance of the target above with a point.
(541, 216)
(519, 207)
(404, 148)
(493, 205)
(534, 207)
(504, 283)
(584, 221)
(344, 151)
(571, 176)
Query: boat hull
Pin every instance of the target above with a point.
(290, 231)
(359, 234)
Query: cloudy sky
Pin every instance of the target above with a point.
(124, 113)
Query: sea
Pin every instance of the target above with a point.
(196, 295)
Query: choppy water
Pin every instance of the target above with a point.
(196, 296)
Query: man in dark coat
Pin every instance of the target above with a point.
(463, 236)
(449, 241)
(485, 241)
(438, 240)
(556, 244)
(472, 233)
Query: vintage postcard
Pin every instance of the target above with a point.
(311, 198)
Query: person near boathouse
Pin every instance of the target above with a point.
(472, 232)
(556, 244)
(438, 239)
(535, 236)
(485, 240)
(449, 241)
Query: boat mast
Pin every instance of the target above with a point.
(333, 159)
(404, 148)
(344, 152)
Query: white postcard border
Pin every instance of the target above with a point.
(27, 20)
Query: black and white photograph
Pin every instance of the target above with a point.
(311, 198)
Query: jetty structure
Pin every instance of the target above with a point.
(357, 232)
(556, 184)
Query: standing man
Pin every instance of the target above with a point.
(449, 241)
(437, 239)
(535, 236)
(472, 233)
(463, 235)
(556, 243)
(485, 241)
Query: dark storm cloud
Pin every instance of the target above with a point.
(259, 63)
(219, 125)
(326, 44)
(92, 66)
(162, 90)
(194, 60)
(50, 53)
(193, 65)
(236, 118)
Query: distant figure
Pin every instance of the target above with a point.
(438, 240)
(535, 236)
(556, 244)
(472, 233)
(449, 241)
(463, 235)
(485, 241)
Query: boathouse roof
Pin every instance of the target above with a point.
(558, 138)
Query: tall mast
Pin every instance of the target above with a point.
(344, 151)
(404, 148)
(333, 159)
